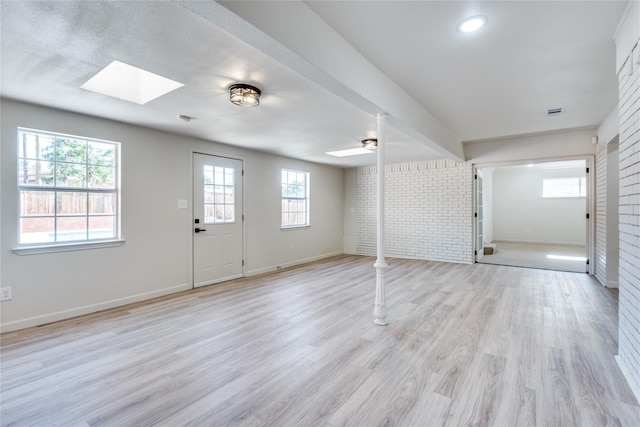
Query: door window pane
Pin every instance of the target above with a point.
(219, 194)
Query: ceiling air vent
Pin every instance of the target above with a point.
(554, 111)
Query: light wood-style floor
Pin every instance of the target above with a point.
(479, 345)
(539, 255)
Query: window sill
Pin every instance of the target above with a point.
(45, 249)
(295, 227)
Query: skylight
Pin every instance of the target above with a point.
(130, 83)
(350, 152)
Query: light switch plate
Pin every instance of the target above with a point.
(5, 294)
(182, 204)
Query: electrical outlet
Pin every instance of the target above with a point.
(5, 294)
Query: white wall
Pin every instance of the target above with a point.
(427, 210)
(155, 259)
(609, 128)
(522, 214)
(350, 215)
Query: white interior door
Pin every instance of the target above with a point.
(217, 219)
(479, 217)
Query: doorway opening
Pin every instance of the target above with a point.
(533, 215)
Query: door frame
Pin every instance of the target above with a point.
(189, 223)
(478, 253)
(590, 199)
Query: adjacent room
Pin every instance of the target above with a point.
(535, 215)
(297, 213)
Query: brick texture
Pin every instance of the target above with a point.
(629, 220)
(601, 213)
(428, 211)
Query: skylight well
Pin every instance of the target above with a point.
(129, 83)
(349, 152)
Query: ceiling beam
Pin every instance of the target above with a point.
(292, 34)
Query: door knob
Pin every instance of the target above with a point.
(197, 230)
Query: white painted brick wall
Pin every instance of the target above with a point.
(629, 217)
(428, 211)
(601, 213)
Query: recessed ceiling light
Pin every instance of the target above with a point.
(124, 81)
(349, 152)
(473, 23)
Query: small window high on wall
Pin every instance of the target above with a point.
(69, 189)
(564, 187)
(295, 198)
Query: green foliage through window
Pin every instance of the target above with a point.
(68, 188)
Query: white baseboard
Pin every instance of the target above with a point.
(289, 264)
(633, 385)
(87, 309)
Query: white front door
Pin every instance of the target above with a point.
(217, 219)
(479, 217)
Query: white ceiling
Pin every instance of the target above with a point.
(325, 69)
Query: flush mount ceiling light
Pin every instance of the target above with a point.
(473, 23)
(370, 143)
(244, 95)
(124, 81)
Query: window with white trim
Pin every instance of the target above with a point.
(219, 194)
(69, 189)
(564, 187)
(295, 198)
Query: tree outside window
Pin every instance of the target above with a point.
(69, 189)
